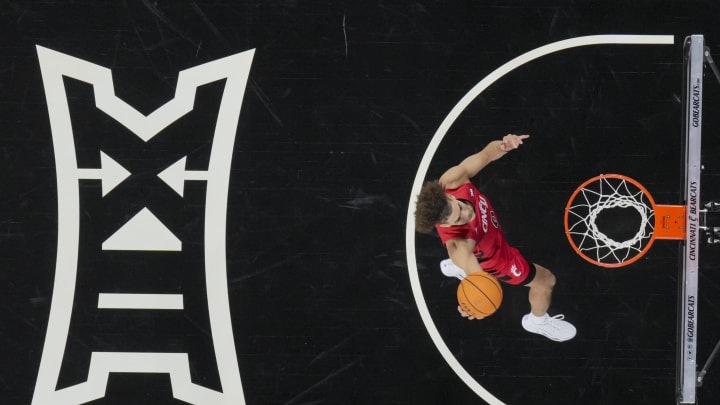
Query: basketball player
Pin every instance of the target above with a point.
(470, 230)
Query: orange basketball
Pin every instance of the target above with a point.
(479, 294)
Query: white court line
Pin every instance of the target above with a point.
(140, 301)
(430, 153)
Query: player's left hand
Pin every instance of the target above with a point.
(512, 141)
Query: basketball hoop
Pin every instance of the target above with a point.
(599, 209)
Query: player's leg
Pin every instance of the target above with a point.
(541, 288)
(538, 321)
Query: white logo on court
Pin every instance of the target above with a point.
(144, 232)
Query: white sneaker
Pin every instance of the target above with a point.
(552, 327)
(451, 269)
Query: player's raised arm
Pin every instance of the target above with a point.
(471, 166)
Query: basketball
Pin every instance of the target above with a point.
(479, 295)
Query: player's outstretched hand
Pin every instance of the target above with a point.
(465, 314)
(512, 141)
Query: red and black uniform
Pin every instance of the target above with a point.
(492, 250)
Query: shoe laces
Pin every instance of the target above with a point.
(551, 320)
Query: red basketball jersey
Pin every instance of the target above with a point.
(484, 228)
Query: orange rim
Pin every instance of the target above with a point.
(567, 213)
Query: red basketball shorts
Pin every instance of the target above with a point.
(509, 266)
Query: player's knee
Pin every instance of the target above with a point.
(547, 278)
(551, 280)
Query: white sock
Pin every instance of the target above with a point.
(537, 319)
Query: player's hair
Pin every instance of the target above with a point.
(432, 207)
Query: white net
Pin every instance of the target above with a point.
(588, 233)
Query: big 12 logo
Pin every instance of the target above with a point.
(143, 232)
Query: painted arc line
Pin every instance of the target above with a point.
(140, 301)
(430, 153)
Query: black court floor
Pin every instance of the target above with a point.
(299, 291)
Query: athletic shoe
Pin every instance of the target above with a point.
(451, 269)
(552, 327)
